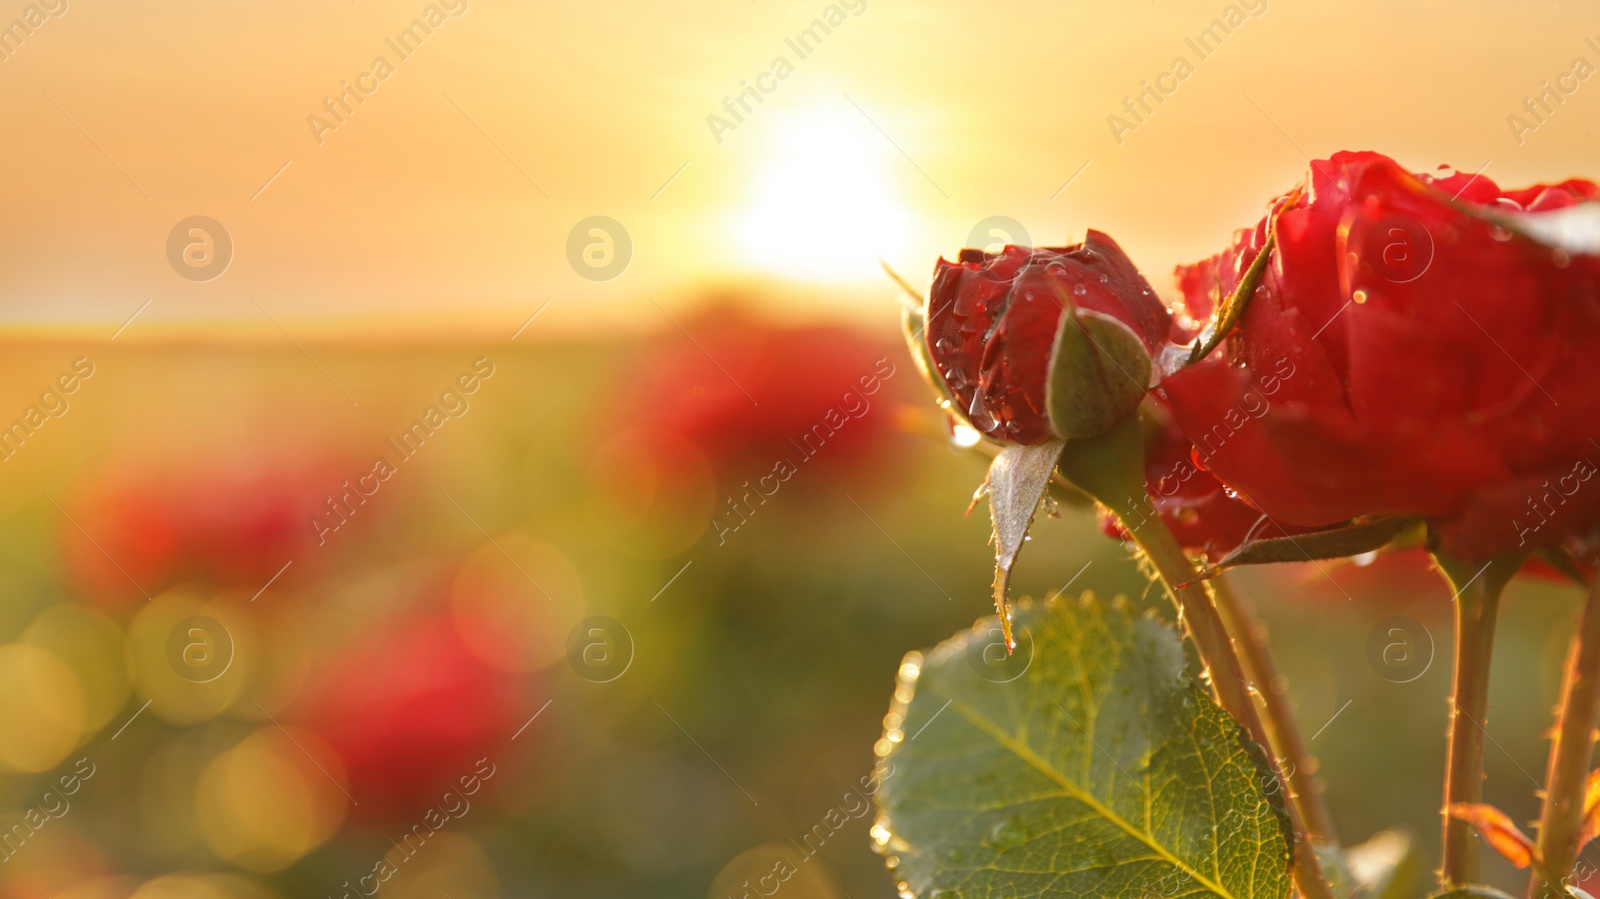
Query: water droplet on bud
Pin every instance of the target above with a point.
(978, 414)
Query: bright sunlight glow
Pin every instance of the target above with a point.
(823, 206)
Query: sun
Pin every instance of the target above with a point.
(823, 206)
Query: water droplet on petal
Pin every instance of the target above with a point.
(1079, 290)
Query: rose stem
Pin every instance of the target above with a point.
(1560, 820)
(1477, 601)
(1283, 733)
(1110, 468)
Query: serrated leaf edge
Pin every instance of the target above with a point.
(911, 666)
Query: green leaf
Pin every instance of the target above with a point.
(1358, 536)
(1096, 768)
(1017, 481)
(1225, 317)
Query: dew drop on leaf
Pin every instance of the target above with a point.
(1006, 835)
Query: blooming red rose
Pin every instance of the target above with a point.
(1203, 513)
(1405, 354)
(995, 323)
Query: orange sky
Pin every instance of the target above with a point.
(444, 203)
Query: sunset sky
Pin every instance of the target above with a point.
(444, 203)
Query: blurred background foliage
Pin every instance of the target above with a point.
(728, 699)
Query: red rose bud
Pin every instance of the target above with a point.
(1404, 353)
(1022, 370)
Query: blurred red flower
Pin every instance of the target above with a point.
(750, 393)
(992, 322)
(1403, 354)
(228, 527)
(411, 711)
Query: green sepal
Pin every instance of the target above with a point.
(1099, 372)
